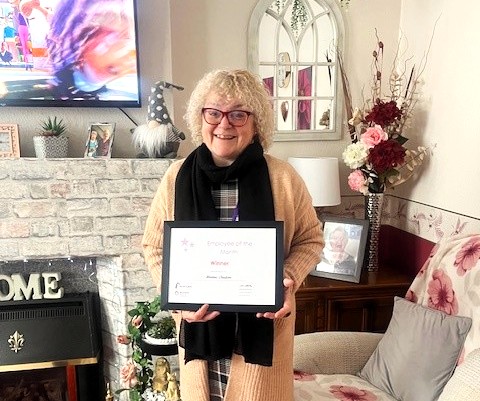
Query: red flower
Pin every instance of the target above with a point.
(385, 155)
(468, 256)
(383, 113)
(441, 294)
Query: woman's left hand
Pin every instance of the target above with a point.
(286, 309)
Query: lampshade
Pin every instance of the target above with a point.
(321, 177)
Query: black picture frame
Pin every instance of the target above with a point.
(193, 274)
(344, 251)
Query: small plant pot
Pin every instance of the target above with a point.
(50, 146)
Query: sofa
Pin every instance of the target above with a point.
(429, 352)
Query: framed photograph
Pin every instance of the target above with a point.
(342, 256)
(100, 140)
(232, 266)
(9, 145)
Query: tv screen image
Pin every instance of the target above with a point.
(81, 53)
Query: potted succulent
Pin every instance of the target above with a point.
(162, 332)
(51, 141)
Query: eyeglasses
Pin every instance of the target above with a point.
(237, 118)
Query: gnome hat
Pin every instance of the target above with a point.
(157, 109)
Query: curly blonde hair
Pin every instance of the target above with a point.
(239, 85)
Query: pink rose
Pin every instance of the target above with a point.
(358, 182)
(373, 136)
(128, 373)
(123, 339)
(137, 321)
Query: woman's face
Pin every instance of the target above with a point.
(338, 241)
(225, 141)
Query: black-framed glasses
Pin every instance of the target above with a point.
(237, 118)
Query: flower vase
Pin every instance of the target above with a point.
(373, 213)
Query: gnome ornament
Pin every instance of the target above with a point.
(158, 137)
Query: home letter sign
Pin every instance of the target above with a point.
(18, 289)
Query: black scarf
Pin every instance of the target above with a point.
(193, 201)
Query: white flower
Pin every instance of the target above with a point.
(151, 395)
(355, 155)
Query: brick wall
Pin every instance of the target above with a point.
(95, 208)
(77, 207)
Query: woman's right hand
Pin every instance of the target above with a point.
(201, 315)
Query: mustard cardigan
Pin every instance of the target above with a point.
(303, 243)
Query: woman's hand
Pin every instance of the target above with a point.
(201, 315)
(286, 309)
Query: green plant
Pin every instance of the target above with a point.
(53, 127)
(138, 373)
(164, 328)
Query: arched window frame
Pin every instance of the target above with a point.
(278, 65)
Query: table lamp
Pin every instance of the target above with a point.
(321, 177)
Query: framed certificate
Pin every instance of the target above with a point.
(232, 266)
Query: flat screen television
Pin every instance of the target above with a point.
(69, 53)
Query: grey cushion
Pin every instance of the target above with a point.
(418, 353)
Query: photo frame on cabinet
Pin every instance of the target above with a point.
(99, 140)
(9, 145)
(345, 243)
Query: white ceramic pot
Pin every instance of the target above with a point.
(50, 146)
(159, 341)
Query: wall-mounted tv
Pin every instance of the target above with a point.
(69, 53)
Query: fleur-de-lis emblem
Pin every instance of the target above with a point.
(16, 341)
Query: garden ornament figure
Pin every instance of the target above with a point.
(158, 137)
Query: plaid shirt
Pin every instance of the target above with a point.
(225, 198)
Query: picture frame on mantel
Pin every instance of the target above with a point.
(9, 145)
(343, 254)
(99, 141)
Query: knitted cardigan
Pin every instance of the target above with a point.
(303, 243)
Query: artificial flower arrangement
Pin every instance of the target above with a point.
(377, 153)
(138, 373)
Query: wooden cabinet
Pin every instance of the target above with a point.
(326, 304)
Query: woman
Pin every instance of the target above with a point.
(334, 257)
(228, 177)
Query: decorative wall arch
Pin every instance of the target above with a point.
(292, 45)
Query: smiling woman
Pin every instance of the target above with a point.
(228, 177)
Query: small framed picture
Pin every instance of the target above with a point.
(342, 256)
(9, 145)
(100, 140)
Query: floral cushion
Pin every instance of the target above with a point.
(449, 281)
(335, 387)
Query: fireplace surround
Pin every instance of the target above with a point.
(89, 209)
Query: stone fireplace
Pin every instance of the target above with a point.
(85, 212)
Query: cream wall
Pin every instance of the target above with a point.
(447, 122)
